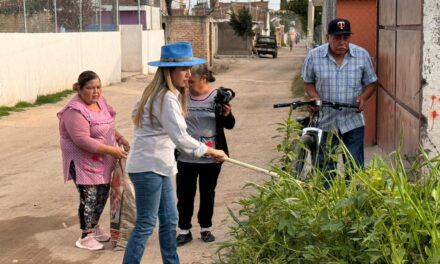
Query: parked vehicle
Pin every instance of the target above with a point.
(266, 45)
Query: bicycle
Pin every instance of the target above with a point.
(311, 134)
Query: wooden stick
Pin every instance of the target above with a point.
(252, 167)
(255, 168)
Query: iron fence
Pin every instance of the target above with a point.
(37, 16)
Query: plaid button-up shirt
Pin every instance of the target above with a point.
(339, 83)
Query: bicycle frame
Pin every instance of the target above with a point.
(311, 134)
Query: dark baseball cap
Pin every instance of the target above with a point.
(339, 26)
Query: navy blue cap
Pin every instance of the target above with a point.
(339, 26)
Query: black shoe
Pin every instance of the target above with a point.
(207, 236)
(183, 239)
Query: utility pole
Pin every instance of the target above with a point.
(24, 16)
(80, 16)
(117, 14)
(139, 12)
(189, 7)
(311, 22)
(55, 15)
(100, 15)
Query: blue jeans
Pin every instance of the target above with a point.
(154, 196)
(353, 140)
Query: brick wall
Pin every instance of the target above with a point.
(194, 29)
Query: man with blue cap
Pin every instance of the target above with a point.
(159, 119)
(341, 72)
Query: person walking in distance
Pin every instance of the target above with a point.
(159, 119)
(342, 72)
(207, 126)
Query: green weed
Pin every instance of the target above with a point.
(380, 216)
(297, 86)
(42, 99)
(52, 98)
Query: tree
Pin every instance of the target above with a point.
(15, 7)
(68, 13)
(242, 23)
(300, 7)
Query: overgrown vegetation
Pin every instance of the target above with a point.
(298, 10)
(297, 86)
(380, 216)
(241, 23)
(42, 99)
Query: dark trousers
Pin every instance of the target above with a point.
(92, 200)
(327, 160)
(186, 190)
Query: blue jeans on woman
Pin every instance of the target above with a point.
(154, 197)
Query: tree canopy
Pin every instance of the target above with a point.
(241, 23)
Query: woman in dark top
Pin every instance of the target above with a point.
(206, 125)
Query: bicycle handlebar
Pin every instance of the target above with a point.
(316, 103)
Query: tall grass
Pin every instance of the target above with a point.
(297, 86)
(42, 99)
(380, 216)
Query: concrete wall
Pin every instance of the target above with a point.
(231, 44)
(138, 47)
(431, 74)
(153, 18)
(152, 41)
(44, 63)
(131, 47)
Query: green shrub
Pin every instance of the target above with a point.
(378, 217)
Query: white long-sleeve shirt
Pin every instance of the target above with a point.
(154, 143)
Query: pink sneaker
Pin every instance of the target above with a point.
(100, 234)
(89, 242)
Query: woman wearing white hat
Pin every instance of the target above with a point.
(159, 118)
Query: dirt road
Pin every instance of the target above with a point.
(38, 212)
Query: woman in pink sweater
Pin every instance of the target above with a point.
(88, 140)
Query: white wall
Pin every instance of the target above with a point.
(131, 46)
(153, 18)
(431, 73)
(43, 63)
(152, 41)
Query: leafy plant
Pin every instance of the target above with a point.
(241, 23)
(300, 8)
(380, 216)
(71, 14)
(14, 7)
(42, 99)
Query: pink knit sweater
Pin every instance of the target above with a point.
(81, 132)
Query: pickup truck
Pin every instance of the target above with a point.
(266, 45)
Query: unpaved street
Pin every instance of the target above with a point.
(38, 212)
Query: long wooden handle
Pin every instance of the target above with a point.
(252, 167)
(271, 173)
